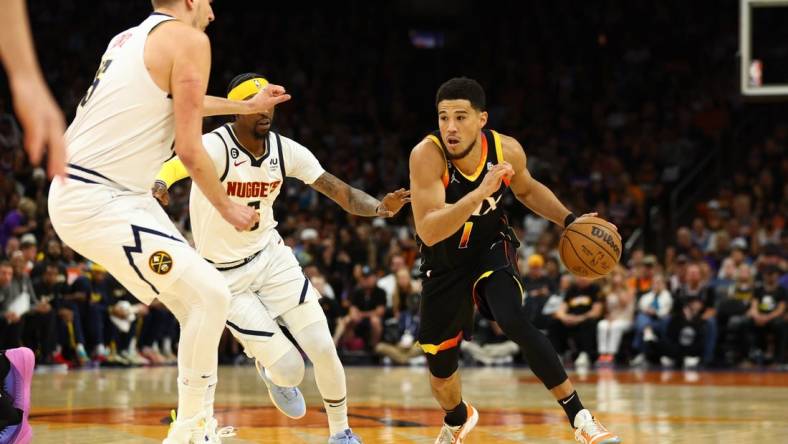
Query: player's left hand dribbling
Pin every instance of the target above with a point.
(393, 202)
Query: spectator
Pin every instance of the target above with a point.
(50, 287)
(389, 282)
(404, 289)
(619, 310)
(641, 280)
(403, 349)
(695, 289)
(539, 292)
(732, 309)
(489, 345)
(577, 316)
(28, 246)
(765, 317)
(682, 341)
(11, 305)
(654, 309)
(365, 317)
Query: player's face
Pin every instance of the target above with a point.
(257, 125)
(203, 14)
(459, 124)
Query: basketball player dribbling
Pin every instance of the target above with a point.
(148, 91)
(458, 176)
(268, 285)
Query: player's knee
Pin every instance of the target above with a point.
(443, 365)
(288, 371)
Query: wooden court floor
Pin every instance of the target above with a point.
(393, 405)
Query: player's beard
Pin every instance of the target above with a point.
(260, 135)
(461, 154)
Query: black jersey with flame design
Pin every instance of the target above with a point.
(484, 227)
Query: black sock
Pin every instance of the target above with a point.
(9, 415)
(572, 406)
(5, 367)
(456, 416)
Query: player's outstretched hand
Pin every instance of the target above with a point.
(160, 192)
(492, 181)
(42, 122)
(242, 217)
(393, 202)
(267, 98)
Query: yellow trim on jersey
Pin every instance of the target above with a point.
(172, 171)
(498, 146)
(247, 88)
(437, 142)
(487, 274)
(482, 162)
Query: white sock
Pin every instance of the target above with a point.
(337, 415)
(210, 396)
(316, 341)
(192, 393)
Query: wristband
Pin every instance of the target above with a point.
(569, 219)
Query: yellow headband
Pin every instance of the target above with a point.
(247, 89)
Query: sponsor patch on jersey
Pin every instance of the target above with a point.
(274, 164)
(160, 262)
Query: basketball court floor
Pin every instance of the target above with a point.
(393, 405)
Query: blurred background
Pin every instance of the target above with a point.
(630, 109)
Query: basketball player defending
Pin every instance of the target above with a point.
(265, 278)
(458, 176)
(148, 91)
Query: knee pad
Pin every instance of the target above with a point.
(444, 363)
(287, 371)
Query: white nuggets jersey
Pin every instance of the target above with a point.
(124, 127)
(251, 181)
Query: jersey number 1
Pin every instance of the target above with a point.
(466, 235)
(102, 69)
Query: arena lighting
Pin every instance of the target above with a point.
(751, 70)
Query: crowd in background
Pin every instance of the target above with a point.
(612, 114)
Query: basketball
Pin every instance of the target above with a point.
(590, 247)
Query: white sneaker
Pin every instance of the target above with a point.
(590, 431)
(215, 434)
(638, 360)
(456, 434)
(691, 361)
(582, 360)
(189, 431)
(288, 400)
(667, 362)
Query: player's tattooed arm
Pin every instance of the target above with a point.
(266, 99)
(358, 202)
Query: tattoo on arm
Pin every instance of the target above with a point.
(350, 199)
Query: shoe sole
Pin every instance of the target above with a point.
(473, 419)
(271, 396)
(22, 363)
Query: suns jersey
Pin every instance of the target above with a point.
(485, 226)
(251, 181)
(124, 125)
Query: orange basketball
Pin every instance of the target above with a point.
(590, 247)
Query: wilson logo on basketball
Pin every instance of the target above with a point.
(606, 238)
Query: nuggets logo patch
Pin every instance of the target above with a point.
(160, 262)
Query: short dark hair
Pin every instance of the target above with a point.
(462, 88)
(240, 78)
